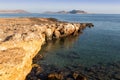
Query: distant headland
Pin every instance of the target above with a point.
(67, 12)
(47, 12)
(12, 11)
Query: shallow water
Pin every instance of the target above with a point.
(100, 44)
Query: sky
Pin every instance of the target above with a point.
(38, 6)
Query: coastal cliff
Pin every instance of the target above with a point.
(22, 38)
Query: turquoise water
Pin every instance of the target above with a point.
(100, 44)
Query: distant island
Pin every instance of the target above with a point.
(47, 12)
(67, 12)
(12, 11)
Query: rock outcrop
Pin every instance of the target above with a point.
(21, 40)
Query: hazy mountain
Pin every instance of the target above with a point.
(68, 12)
(13, 11)
(77, 12)
(62, 12)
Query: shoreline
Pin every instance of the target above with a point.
(21, 39)
(49, 71)
(75, 72)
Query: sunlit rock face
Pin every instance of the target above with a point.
(21, 40)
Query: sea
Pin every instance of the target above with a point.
(100, 44)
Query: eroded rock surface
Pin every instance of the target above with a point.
(21, 39)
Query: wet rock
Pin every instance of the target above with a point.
(89, 25)
(37, 58)
(96, 72)
(81, 77)
(75, 75)
(53, 19)
(117, 75)
(35, 73)
(78, 76)
(55, 76)
(33, 78)
(69, 79)
(39, 70)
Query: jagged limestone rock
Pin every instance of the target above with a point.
(22, 38)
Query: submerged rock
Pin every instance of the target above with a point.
(55, 76)
(75, 72)
(117, 75)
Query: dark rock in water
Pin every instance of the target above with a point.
(90, 25)
(117, 75)
(75, 75)
(35, 72)
(78, 76)
(69, 79)
(53, 19)
(55, 76)
(38, 71)
(76, 72)
(33, 78)
(38, 57)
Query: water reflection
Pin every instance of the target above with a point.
(58, 52)
(57, 44)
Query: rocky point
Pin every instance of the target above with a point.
(21, 40)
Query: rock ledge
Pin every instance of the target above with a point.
(21, 40)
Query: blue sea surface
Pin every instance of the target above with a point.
(100, 44)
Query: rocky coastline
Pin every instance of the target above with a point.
(22, 38)
(45, 70)
(109, 71)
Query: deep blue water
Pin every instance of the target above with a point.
(100, 44)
